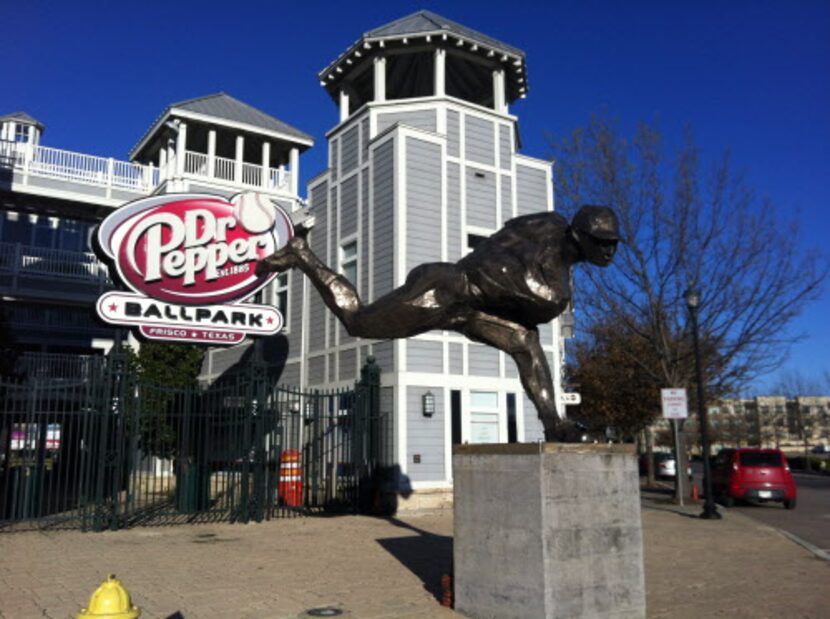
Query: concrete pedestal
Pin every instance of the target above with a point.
(547, 530)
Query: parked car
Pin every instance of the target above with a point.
(752, 474)
(665, 464)
(821, 449)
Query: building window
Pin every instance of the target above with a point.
(281, 297)
(21, 133)
(348, 261)
(484, 417)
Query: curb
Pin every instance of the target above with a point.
(821, 554)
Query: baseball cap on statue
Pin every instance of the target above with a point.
(598, 221)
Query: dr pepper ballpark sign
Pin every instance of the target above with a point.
(189, 259)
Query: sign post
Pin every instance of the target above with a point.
(675, 406)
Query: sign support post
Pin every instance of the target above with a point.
(675, 406)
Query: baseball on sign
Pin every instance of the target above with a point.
(254, 211)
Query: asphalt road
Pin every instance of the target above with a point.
(810, 520)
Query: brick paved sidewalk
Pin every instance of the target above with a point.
(372, 568)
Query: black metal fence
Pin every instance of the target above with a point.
(106, 450)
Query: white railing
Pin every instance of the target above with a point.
(27, 260)
(68, 165)
(252, 174)
(224, 169)
(195, 163)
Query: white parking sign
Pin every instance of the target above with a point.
(674, 403)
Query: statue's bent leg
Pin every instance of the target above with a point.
(428, 300)
(523, 345)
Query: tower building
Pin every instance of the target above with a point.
(422, 164)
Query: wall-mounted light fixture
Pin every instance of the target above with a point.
(428, 402)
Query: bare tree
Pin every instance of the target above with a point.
(682, 226)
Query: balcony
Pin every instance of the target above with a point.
(51, 273)
(108, 174)
(200, 166)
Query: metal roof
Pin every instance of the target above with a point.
(435, 30)
(424, 22)
(22, 117)
(222, 106)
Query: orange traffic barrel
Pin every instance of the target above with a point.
(290, 488)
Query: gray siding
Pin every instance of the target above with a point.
(453, 133)
(348, 206)
(421, 119)
(534, 431)
(423, 203)
(335, 158)
(531, 190)
(423, 356)
(478, 140)
(505, 148)
(349, 151)
(510, 369)
(384, 218)
(348, 364)
(332, 360)
(319, 244)
(317, 370)
(385, 355)
(456, 354)
(425, 435)
(222, 359)
(364, 250)
(546, 333)
(506, 198)
(483, 361)
(364, 137)
(290, 375)
(481, 198)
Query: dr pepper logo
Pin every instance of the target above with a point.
(190, 250)
(194, 249)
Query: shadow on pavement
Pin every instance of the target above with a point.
(427, 555)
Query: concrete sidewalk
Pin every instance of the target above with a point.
(369, 567)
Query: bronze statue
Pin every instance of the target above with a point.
(511, 282)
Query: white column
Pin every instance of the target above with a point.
(171, 159)
(266, 163)
(498, 92)
(294, 164)
(240, 151)
(181, 146)
(10, 131)
(211, 154)
(344, 105)
(440, 72)
(3, 129)
(380, 78)
(162, 164)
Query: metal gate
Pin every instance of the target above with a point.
(104, 450)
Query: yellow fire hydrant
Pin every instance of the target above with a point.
(110, 601)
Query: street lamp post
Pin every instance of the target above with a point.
(710, 510)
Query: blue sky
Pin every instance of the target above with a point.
(751, 76)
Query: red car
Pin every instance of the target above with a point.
(752, 474)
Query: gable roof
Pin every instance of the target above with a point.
(22, 117)
(425, 22)
(222, 106)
